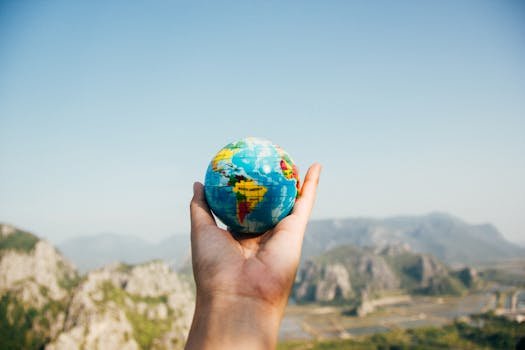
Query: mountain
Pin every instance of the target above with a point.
(146, 306)
(349, 274)
(46, 304)
(448, 238)
(444, 236)
(91, 252)
(35, 287)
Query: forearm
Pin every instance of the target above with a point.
(234, 322)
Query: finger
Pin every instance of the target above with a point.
(199, 211)
(304, 204)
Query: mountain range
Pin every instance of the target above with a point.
(91, 252)
(446, 237)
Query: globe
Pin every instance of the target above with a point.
(251, 185)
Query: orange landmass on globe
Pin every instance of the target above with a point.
(249, 194)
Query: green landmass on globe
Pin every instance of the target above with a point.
(251, 185)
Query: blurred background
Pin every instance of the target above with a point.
(110, 110)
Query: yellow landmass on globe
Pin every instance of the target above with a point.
(224, 154)
(249, 194)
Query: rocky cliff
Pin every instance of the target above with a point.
(44, 302)
(346, 273)
(128, 307)
(35, 288)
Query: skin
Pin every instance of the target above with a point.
(243, 282)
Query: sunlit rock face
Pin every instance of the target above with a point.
(128, 307)
(323, 282)
(42, 266)
(335, 283)
(347, 272)
(44, 303)
(35, 285)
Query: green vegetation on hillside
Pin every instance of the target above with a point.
(16, 325)
(485, 331)
(408, 269)
(68, 281)
(403, 265)
(19, 240)
(146, 330)
(379, 273)
(443, 285)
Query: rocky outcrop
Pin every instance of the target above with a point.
(24, 257)
(34, 280)
(331, 283)
(378, 273)
(6, 230)
(44, 303)
(43, 267)
(343, 273)
(304, 289)
(128, 307)
(469, 276)
(426, 269)
(334, 283)
(360, 275)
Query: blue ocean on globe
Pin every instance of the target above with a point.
(251, 185)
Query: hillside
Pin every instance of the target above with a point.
(120, 306)
(351, 274)
(45, 304)
(35, 287)
(446, 237)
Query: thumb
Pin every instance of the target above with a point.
(199, 211)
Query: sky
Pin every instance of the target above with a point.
(110, 110)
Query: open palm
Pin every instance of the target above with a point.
(259, 267)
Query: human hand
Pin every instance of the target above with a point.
(243, 282)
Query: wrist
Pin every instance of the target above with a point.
(234, 322)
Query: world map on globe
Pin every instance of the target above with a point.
(251, 185)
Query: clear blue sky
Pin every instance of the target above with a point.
(110, 110)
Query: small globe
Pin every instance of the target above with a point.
(251, 185)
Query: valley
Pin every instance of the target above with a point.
(500, 295)
(380, 289)
(305, 322)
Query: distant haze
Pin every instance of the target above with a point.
(442, 235)
(110, 110)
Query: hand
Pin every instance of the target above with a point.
(243, 282)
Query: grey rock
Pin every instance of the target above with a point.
(334, 283)
(111, 306)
